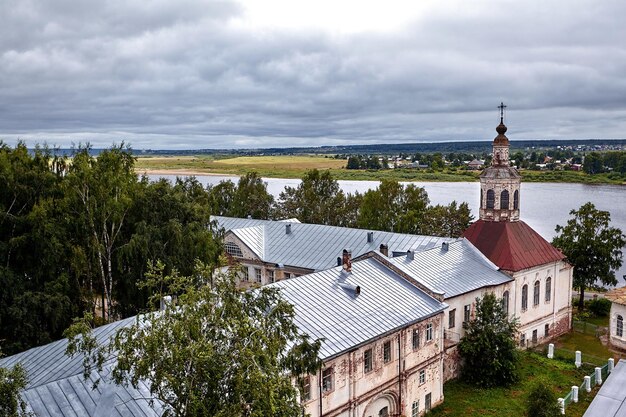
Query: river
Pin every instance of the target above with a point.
(542, 205)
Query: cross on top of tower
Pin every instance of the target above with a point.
(502, 107)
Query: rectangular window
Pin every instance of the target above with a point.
(547, 330)
(466, 313)
(270, 275)
(536, 294)
(415, 409)
(387, 351)
(287, 275)
(306, 388)
(522, 340)
(416, 339)
(422, 376)
(429, 332)
(327, 379)
(257, 275)
(534, 336)
(367, 360)
(548, 289)
(427, 402)
(452, 318)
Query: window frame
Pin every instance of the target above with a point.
(548, 292)
(452, 318)
(387, 356)
(306, 388)
(546, 330)
(233, 249)
(524, 297)
(271, 275)
(467, 313)
(327, 379)
(415, 408)
(422, 377)
(258, 275)
(516, 200)
(505, 302)
(504, 198)
(490, 203)
(428, 402)
(368, 361)
(619, 328)
(536, 293)
(429, 332)
(415, 339)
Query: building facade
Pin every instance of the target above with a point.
(617, 337)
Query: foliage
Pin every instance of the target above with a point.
(488, 347)
(218, 351)
(599, 307)
(592, 246)
(449, 221)
(248, 198)
(317, 199)
(541, 401)
(12, 382)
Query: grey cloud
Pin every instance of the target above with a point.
(165, 74)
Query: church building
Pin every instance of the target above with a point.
(543, 279)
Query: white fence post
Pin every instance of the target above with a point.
(611, 365)
(551, 351)
(575, 393)
(598, 375)
(578, 361)
(587, 383)
(562, 405)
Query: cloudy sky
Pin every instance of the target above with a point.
(256, 73)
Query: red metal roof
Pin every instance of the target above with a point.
(512, 246)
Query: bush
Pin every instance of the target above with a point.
(542, 402)
(599, 307)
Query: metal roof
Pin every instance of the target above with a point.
(459, 269)
(325, 309)
(56, 386)
(316, 246)
(512, 246)
(611, 399)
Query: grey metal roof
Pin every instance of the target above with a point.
(326, 310)
(316, 246)
(460, 269)
(611, 399)
(56, 385)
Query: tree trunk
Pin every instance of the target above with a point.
(581, 300)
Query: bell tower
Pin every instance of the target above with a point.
(500, 183)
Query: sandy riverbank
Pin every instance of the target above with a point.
(181, 172)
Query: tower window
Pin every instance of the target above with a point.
(516, 200)
(491, 199)
(504, 200)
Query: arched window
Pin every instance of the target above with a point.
(233, 250)
(536, 293)
(548, 289)
(524, 297)
(620, 326)
(504, 200)
(491, 199)
(516, 200)
(505, 302)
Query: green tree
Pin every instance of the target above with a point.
(488, 347)
(354, 162)
(220, 351)
(317, 199)
(221, 197)
(248, 198)
(450, 220)
(592, 246)
(393, 207)
(593, 163)
(541, 401)
(12, 382)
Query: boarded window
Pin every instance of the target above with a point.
(491, 199)
(504, 200)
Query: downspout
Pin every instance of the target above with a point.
(319, 384)
(399, 374)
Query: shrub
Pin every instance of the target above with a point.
(599, 307)
(542, 402)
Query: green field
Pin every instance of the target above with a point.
(294, 166)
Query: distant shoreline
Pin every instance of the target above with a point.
(182, 172)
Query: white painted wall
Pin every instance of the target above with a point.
(617, 310)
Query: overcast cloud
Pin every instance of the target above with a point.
(225, 74)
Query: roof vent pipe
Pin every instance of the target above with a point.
(347, 260)
(370, 237)
(338, 260)
(445, 246)
(410, 255)
(288, 229)
(355, 289)
(384, 249)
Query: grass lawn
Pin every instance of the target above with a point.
(465, 400)
(294, 166)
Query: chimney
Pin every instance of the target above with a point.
(410, 255)
(370, 237)
(288, 229)
(384, 249)
(445, 246)
(347, 260)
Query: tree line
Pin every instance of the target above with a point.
(77, 234)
